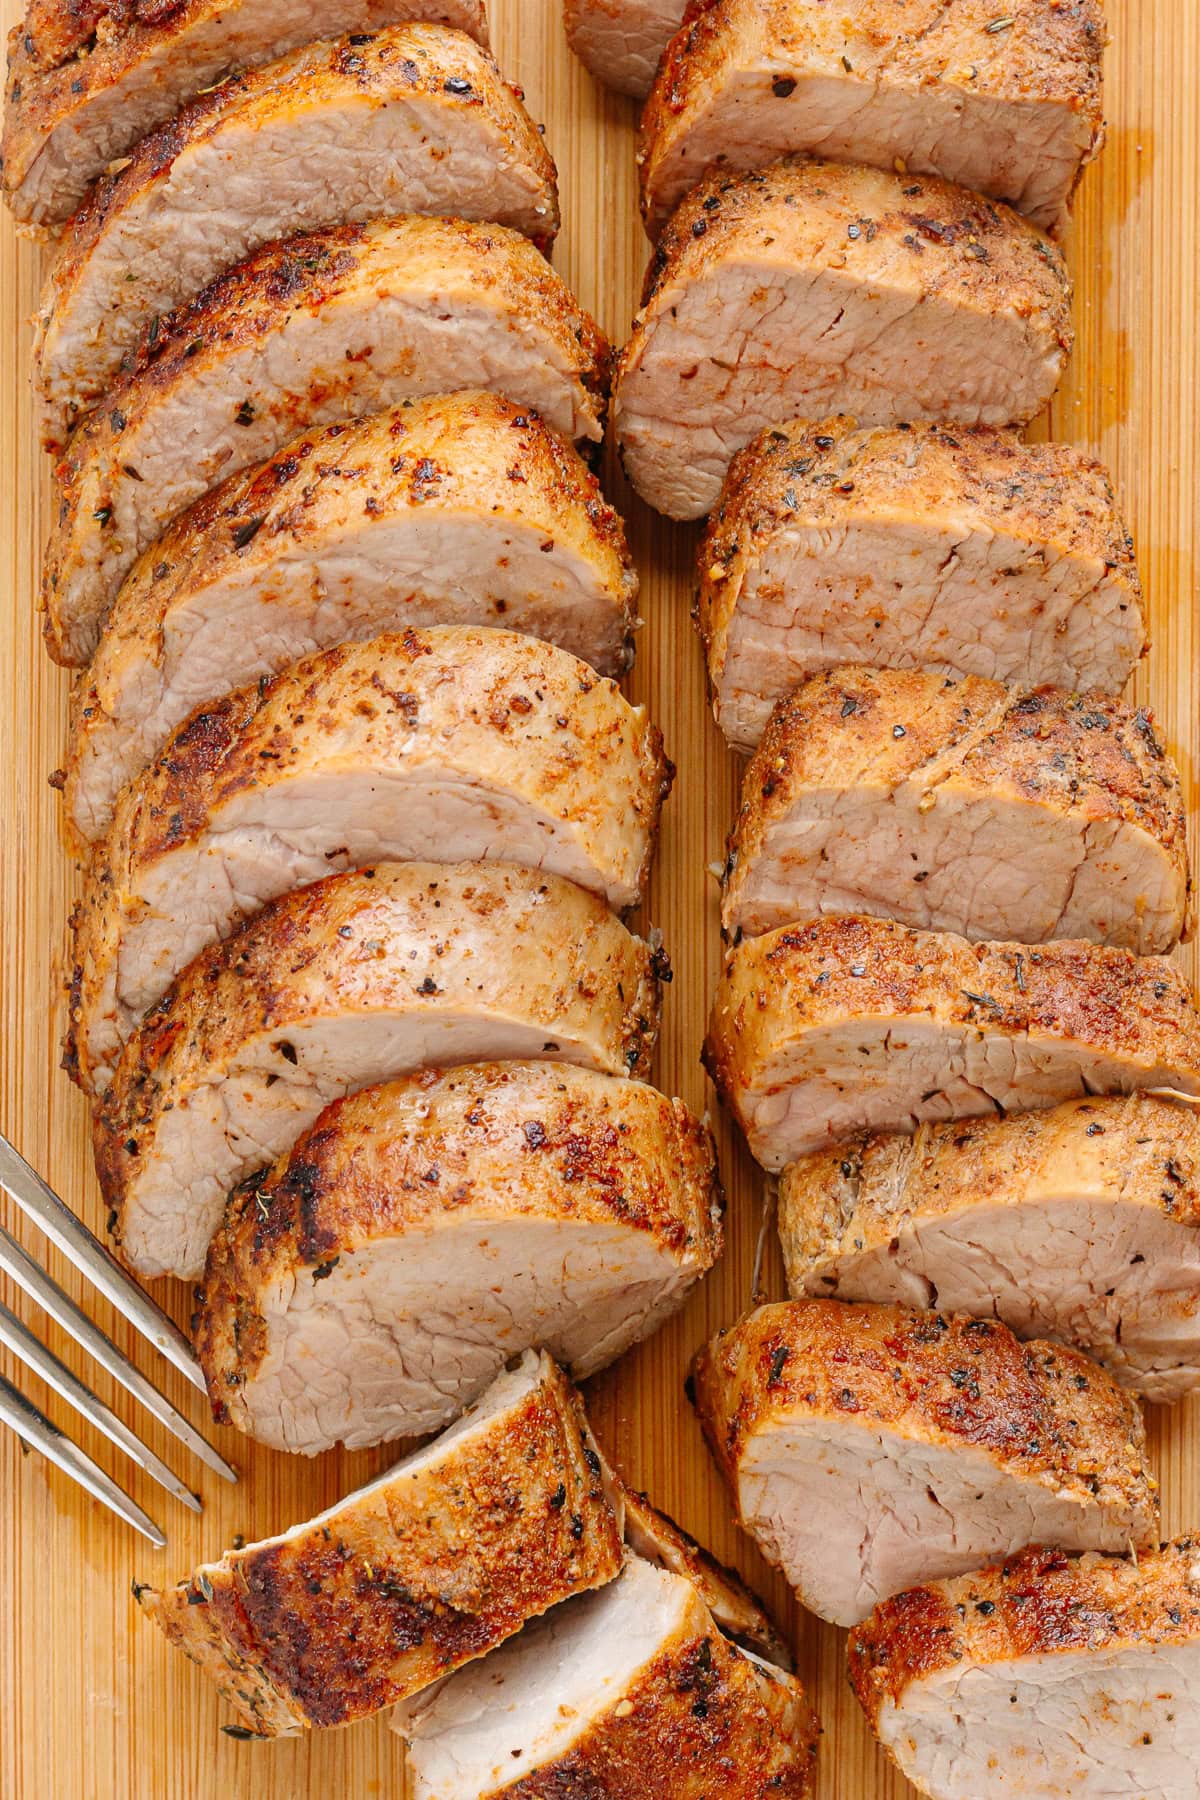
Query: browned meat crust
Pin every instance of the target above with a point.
(1087, 803)
(407, 1580)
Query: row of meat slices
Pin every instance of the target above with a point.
(642, 1664)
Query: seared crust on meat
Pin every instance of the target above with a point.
(831, 289)
(1041, 1603)
(446, 743)
(1073, 1222)
(408, 951)
(854, 1023)
(379, 313)
(87, 78)
(423, 122)
(457, 509)
(448, 1156)
(434, 1564)
(621, 41)
(929, 89)
(961, 806)
(816, 1397)
(1019, 564)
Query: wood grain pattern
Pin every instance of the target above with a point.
(93, 1707)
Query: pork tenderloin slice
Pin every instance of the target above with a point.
(868, 1447)
(912, 546)
(445, 744)
(1051, 1675)
(416, 119)
(926, 89)
(458, 509)
(88, 78)
(342, 985)
(961, 805)
(637, 1694)
(852, 1023)
(1081, 1223)
(813, 288)
(373, 1281)
(622, 41)
(317, 329)
(432, 1564)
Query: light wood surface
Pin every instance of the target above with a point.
(92, 1705)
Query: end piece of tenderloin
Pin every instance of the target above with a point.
(640, 1693)
(1079, 1223)
(420, 1234)
(961, 805)
(86, 81)
(931, 89)
(436, 1562)
(622, 41)
(868, 1448)
(851, 1023)
(318, 329)
(811, 288)
(1050, 1675)
(912, 546)
(445, 744)
(416, 119)
(459, 509)
(354, 981)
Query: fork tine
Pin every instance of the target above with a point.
(38, 1200)
(20, 1266)
(16, 1336)
(33, 1427)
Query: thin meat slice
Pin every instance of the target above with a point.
(1080, 1223)
(633, 1694)
(1051, 1675)
(374, 1280)
(622, 41)
(436, 1562)
(852, 1023)
(913, 546)
(810, 288)
(315, 330)
(460, 509)
(868, 1448)
(415, 119)
(342, 985)
(961, 805)
(446, 744)
(88, 78)
(1010, 104)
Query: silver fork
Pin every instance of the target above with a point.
(56, 1221)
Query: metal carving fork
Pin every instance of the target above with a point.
(56, 1221)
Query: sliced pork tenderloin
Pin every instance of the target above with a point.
(446, 744)
(867, 1448)
(638, 1694)
(1051, 1675)
(416, 119)
(851, 1023)
(373, 1281)
(810, 288)
(345, 984)
(927, 89)
(459, 509)
(622, 41)
(1080, 1223)
(88, 78)
(913, 546)
(318, 329)
(961, 805)
(432, 1564)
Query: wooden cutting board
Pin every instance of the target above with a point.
(92, 1706)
